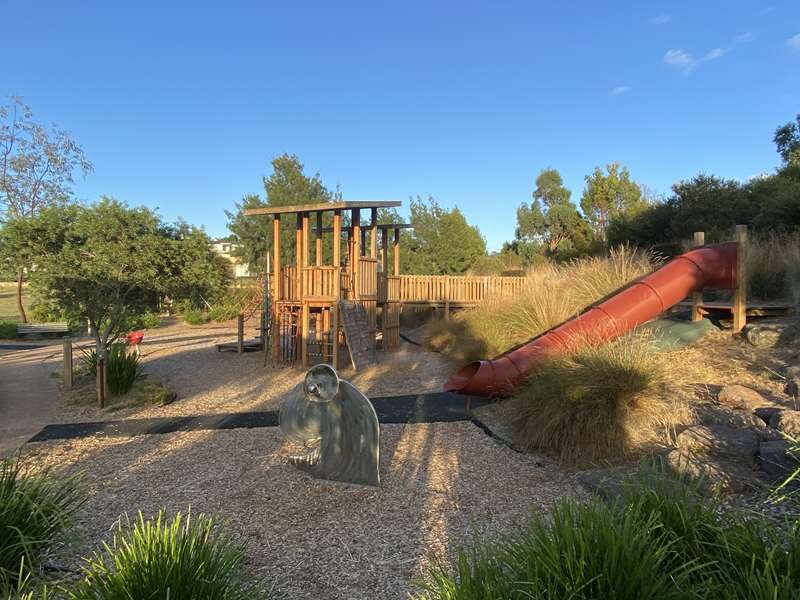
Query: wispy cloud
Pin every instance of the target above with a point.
(794, 42)
(745, 37)
(679, 59)
(716, 53)
(660, 19)
(620, 90)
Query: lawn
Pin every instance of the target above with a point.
(8, 302)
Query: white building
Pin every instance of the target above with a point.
(225, 250)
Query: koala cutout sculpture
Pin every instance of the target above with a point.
(337, 424)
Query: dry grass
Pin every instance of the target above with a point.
(601, 403)
(552, 294)
(773, 264)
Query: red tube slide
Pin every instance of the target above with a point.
(712, 266)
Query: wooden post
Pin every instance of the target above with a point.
(373, 234)
(385, 251)
(306, 243)
(67, 363)
(447, 299)
(318, 249)
(276, 286)
(102, 385)
(240, 333)
(335, 334)
(396, 250)
(740, 295)
(337, 238)
(305, 337)
(697, 297)
(298, 257)
(356, 251)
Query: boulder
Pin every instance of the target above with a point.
(714, 475)
(606, 483)
(762, 336)
(777, 458)
(764, 413)
(721, 441)
(713, 413)
(742, 397)
(786, 421)
(770, 334)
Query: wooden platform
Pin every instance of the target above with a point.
(254, 345)
(754, 309)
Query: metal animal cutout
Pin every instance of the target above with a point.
(337, 424)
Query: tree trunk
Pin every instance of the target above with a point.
(21, 309)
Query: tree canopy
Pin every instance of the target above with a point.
(442, 242)
(109, 262)
(787, 141)
(551, 222)
(288, 185)
(609, 195)
(37, 167)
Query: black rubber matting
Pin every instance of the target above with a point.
(421, 408)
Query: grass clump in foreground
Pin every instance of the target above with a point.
(8, 330)
(183, 558)
(35, 511)
(661, 541)
(603, 402)
(551, 295)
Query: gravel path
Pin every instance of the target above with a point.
(443, 484)
(185, 358)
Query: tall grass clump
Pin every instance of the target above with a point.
(182, 558)
(551, 295)
(35, 511)
(660, 541)
(601, 402)
(773, 266)
(123, 368)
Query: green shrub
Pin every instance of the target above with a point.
(123, 368)
(8, 330)
(223, 312)
(148, 320)
(661, 540)
(182, 558)
(35, 511)
(195, 317)
(603, 402)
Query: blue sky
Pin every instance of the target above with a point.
(182, 105)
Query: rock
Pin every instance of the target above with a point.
(761, 336)
(712, 413)
(714, 475)
(771, 334)
(764, 413)
(719, 440)
(777, 459)
(792, 387)
(606, 483)
(740, 396)
(786, 421)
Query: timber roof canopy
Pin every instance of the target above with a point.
(322, 206)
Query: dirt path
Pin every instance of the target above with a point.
(29, 395)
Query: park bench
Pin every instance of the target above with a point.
(41, 328)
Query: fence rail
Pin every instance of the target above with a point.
(446, 289)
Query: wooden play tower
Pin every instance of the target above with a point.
(313, 306)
